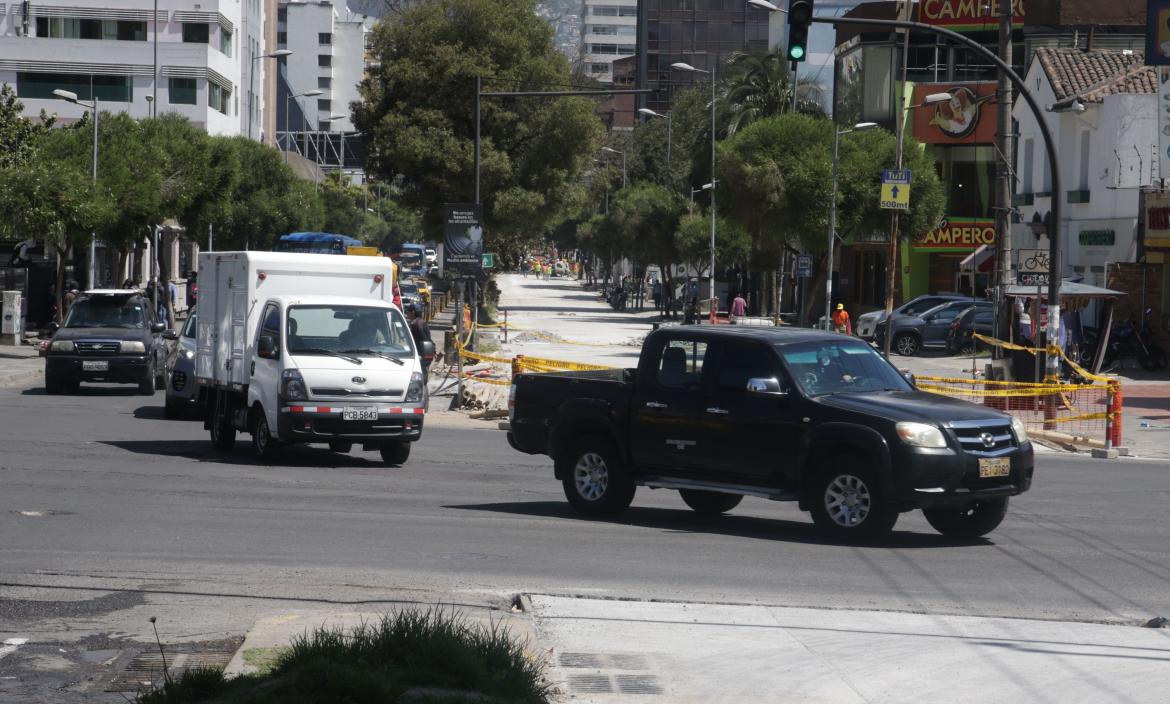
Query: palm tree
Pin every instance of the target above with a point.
(760, 85)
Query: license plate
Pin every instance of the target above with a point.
(994, 467)
(102, 366)
(354, 413)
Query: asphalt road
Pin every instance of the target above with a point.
(109, 514)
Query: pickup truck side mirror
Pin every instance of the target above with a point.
(768, 386)
(909, 376)
(267, 348)
(157, 327)
(426, 350)
(171, 335)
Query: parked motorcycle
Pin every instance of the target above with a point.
(1128, 340)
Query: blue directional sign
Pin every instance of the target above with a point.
(804, 266)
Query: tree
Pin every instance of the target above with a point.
(18, 134)
(760, 85)
(693, 243)
(417, 110)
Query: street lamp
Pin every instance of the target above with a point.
(616, 151)
(700, 189)
(252, 81)
(287, 109)
(833, 219)
(72, 97)
(669, 137)
(680, 66)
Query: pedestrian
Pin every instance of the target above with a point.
(420, 331)
(738, 307)
(692, 313)
(841, 322)
(656, 293)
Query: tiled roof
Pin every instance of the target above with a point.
(1091, 75)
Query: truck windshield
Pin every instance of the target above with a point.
(107, 312)
(831, 367)
(325, 329)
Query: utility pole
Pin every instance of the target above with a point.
(899, 137)
(1004, 190)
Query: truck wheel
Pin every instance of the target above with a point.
(906, 344)
(339, 446)
(53, 385)
(395, 452)
(595, 478)
(223, 435)
(974, 520)
(848, 503)
(263, 444)
(172, 410)
(709, 503)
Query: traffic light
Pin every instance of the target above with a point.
(800, 14)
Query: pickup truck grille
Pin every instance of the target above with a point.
(357, 393)
(97, 347)
(985, 439)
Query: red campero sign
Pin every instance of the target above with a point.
(968, 15)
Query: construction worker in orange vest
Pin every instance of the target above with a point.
(841, 321)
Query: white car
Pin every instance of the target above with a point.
(432, 257)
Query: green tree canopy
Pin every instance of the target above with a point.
(759, 85)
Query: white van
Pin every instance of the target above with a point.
(307, 348)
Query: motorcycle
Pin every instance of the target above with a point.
(1128, 340)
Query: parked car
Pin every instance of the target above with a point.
(410, 294)
(183, 394)
(976, 319)
(108, 335)
(866, 323)
(424, 290)
(914, 333)
(721, 412)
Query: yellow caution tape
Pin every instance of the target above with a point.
(1051, 350)
(556, 365)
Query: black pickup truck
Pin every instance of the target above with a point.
(720, 413)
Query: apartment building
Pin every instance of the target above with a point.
(329, 54)
(609, 32)
(201, 60)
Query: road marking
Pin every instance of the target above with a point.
(10, 646)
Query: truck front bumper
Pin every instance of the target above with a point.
(118, 369)
(949, 478)
(323, 423)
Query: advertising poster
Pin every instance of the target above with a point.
(967, 118)
(463, 230)
(1158, 33)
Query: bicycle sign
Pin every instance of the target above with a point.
(1033, 267)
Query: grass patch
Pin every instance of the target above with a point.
(377, 663)
(263, 659)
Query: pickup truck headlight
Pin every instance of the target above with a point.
(414, 392)
(292, 386)
(132, 346)
(61, 346)
(921, 435)
(1020, 431)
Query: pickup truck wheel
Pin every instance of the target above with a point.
(906, 344)
(395, 452)
(53, 385)
(974, 520)
(848, 503)
(709, 503)
(595, 479)
(146, 384)
(263, 444)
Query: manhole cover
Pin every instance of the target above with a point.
(146, 669)
(637, 684)
(590, 684)
(590, 660)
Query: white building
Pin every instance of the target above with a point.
(108, 49)
(1101, 108)
(329, 54)
(609, 32)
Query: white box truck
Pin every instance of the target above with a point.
(307, 348)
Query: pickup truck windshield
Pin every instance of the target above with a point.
(107, 312)
(356, 330)
(844, 367)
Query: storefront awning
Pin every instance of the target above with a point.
(1068, 289)
(982, 259)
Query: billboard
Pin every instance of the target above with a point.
(968, 15)
(463, 245)
(967, 118)
(1158, 33)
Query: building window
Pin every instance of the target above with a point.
(1026, 177)
(324, 38)
(324, 82)
(72, 28)
(282, 14)
(323, 104)
(182, 91)
(196, 33)
(596, 69)
(282, 38)
(1084, 180)
(603, 30)
(218, 97)
(225, 42)
(324, 60)
(117, 89)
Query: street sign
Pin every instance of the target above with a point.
(804, 266)
(489, 260)
(1033, 267)
(895, 189)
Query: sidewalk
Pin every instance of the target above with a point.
(605, 651)
(20, 366)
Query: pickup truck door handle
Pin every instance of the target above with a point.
(655, 404)
(718, 411)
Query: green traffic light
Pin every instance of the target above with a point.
(796, 53)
